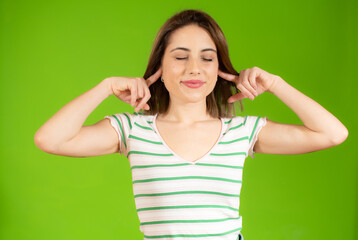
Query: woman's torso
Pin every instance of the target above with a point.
(190, 143)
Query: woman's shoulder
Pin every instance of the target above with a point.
(143, 118)
(130, 120)
(245, 120)
(134, 116)
(234, 119)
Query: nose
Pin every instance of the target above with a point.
(193, 66)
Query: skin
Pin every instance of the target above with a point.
(321, 129)
(65, 134)
(188, 105)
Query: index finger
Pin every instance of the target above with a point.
(227, 76)
(154, 77)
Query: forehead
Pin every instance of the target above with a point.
(191, 36)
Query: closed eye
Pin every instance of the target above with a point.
(209, 60)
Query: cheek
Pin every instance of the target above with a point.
(214, 68)
(172, 69)
(213, 73)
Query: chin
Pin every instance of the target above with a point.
(194, 98)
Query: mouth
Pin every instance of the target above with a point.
(193, 83)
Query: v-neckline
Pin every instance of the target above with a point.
(154, 122)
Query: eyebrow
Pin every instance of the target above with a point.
(187, 49)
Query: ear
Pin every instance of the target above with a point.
(161, 67)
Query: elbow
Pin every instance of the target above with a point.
(42, 143)
(38, 140)
(341, 137)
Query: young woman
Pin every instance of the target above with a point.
(185, 145)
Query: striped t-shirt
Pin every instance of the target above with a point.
(179, 199)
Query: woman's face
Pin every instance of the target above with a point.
(190, 55)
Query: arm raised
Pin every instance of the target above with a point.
(321, 129)
(64, 133)
(279, 138)
(93, 140)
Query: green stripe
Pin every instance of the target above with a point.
(228, 154)
(186, 206)
(185, 192)
(235, 140)
(186, 177)
(121, 127)
(144, 127)
(149, 153)
(229, 121)
(139, 113)
(253, 131)
(128, 119)
(192, 235)
(237, 126)
(144, 140)
(186, 164)
(170, 154)
(219, 165)
(189, 221)
(161, 165)
(234, 127)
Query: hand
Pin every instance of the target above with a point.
(251, 82)
(133, 90)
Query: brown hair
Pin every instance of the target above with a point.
(216, 101)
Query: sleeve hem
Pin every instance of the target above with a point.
(254, 139)
(114, 125)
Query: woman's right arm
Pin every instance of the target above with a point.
(64, 133)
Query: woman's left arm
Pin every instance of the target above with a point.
(321, 129)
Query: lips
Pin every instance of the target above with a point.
(194, 81)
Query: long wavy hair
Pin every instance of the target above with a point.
(216, 101)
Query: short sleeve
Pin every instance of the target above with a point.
(122, 124)
(253, 126)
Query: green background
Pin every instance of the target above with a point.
(53, 51)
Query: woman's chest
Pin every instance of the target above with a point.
(190, 144)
